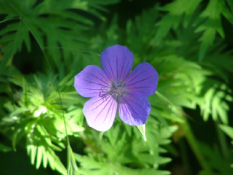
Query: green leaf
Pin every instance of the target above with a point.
(5, 148)
(212, 24)
(217, 164)
(142, 130)
(72, 167)
(90, 166)
(60, 21)
(176, 10)
(228, 130)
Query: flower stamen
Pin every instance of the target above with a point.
(117, 90)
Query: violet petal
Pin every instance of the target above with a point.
(117, 61)
(91, 81)
(133, 110)
(142, 81)
(100, 112)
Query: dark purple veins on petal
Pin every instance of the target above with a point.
(100, 112)
(115, 87)
(90, 81)
(142, 81)
(117, 61)
(133, 110)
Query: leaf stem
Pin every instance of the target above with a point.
(71, 163)
(189, 135)
(194, 145)
(222, 142)
(64, 120)
(68, 141)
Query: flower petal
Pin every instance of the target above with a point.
(117, 61)
(100, 112)
(91, 81)
(142, 81)
(133, 110)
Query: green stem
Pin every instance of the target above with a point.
(71, 163)
(193, 144)
(185, 157)
(222, 142)
(67, 137)
(161, 96)
(64, 120)
(189, 135)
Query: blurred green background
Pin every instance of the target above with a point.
(44, 43)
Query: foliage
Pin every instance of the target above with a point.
(186, 41)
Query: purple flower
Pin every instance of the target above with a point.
(114, 88)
